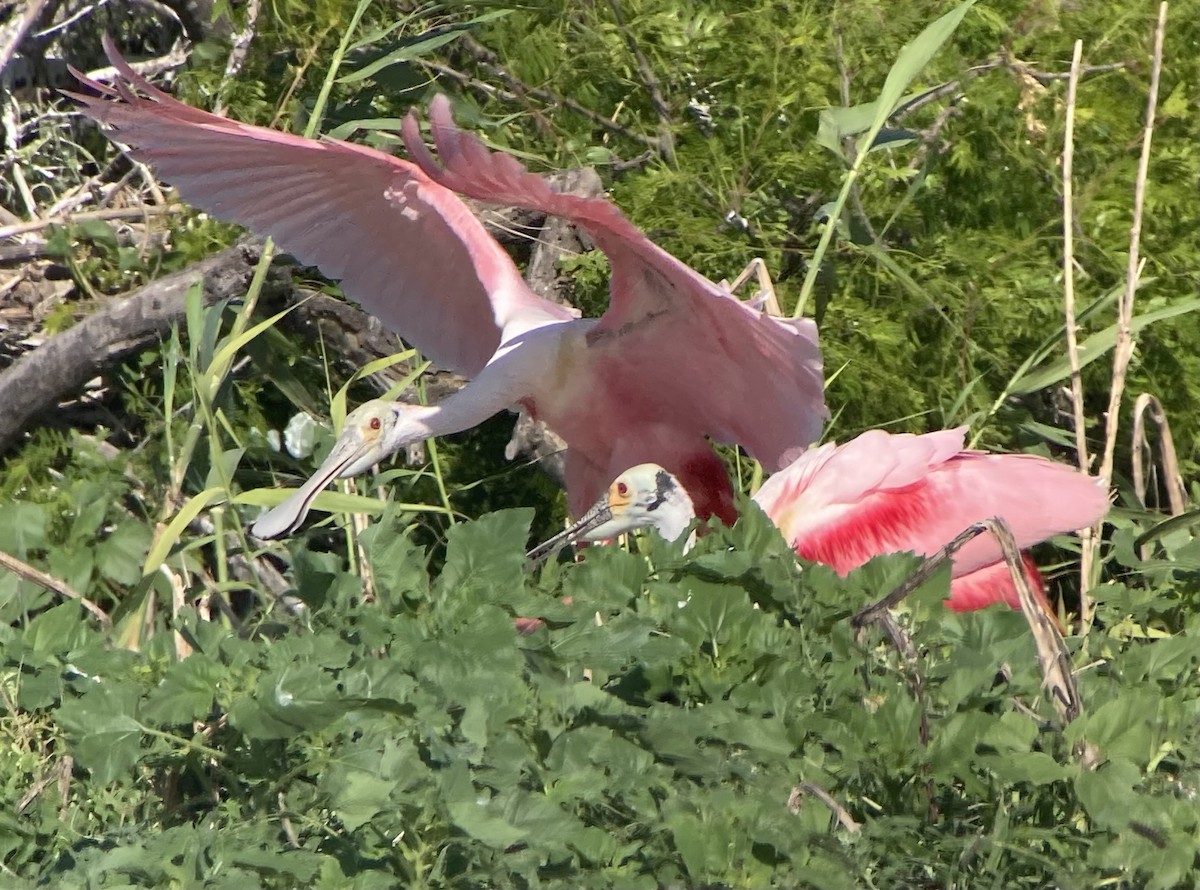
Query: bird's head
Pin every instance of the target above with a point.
(372, 431)
(645, 496)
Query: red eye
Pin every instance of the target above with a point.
(376, 423)
(622, 489)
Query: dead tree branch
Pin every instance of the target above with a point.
(120, 328)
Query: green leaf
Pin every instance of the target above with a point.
(120, 556)
(487, 553)
(418, 47)
(1094, 347)
(185, 692)
(359, 797)
(59, 630)
(471, 811)
(1105, 792)
(107, 737)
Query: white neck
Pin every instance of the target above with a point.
(499, 385)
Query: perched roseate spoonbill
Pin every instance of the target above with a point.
(882, 493)
(675, 358)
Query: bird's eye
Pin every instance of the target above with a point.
(376, 423)
(622, 489)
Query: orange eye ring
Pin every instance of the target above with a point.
(376, 423)
(622, 489)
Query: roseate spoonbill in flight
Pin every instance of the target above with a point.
(883, 493)
(673, 360)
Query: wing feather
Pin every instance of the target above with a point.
(717, 364)
(403, 246)
(885, 493)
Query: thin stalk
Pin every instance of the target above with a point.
(434, 461)
(1071, 328)
(1124, 348)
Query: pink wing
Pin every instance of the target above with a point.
(994, 584)
(403, 246)
(716, 365)
(883, 493)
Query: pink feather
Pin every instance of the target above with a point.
(885, 493)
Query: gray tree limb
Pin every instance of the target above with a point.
(119, 328)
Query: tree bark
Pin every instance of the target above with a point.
(119, 328)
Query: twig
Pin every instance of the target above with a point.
(175, 58)
(666, 139)
(66, 219)
(66, 23)
(1057, 676)
(241, 49)
(1124, 347)
(1068, 161)
(870, 614)
(491, 63)
(13, 33)
(1172, 478)
(1068, 208)
(29, 573)
(61, 767)
(796, 801)
(285, 820)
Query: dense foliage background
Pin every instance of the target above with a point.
(354, 708)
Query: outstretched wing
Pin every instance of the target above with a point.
(403, 246)
(716, 365)
(884, 493)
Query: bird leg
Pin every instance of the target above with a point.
(765, 297)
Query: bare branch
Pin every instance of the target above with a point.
(29, 573)
(1148, 404)
(120, 328)
(796, 801)
(1123, 351)
(1068, 209)
(666, 138)
(13, 32)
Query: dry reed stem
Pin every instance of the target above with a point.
(1057, 676)
(1123, 351)
(29, 573)
(1068, 202)
(796, 803)
(1148, 404)
(1124, 347)
(68, 218)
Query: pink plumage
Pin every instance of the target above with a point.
(885, 493)
(674, 360)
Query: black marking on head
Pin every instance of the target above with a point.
(663, 485)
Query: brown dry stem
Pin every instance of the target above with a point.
(29, 573)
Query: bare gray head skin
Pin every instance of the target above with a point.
(371, 432)
(645, 496)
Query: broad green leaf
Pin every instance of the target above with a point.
(1105, 792)
(185, 693)
(58, 630)
(359, 797)
(486, 553)
(119, 557)
(107, 737)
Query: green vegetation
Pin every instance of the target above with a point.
(355, 709)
